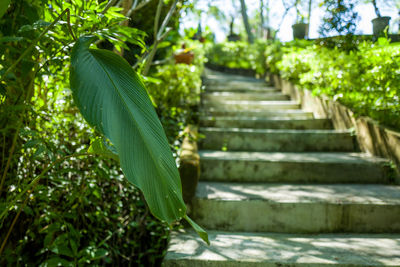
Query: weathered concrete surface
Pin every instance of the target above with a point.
(241, 88)
(220, 97)
(380, 141)
(238, 105)
(237, 139)
(372, 137)
(278, 250)
(265, 123)
(219, 77)
(292, 167)
(297, 208)
(189, 168)
(271, 114)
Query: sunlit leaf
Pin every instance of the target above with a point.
(98, 146)
(200, 231)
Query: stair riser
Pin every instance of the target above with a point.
(281, 141)
(250, 263)
(267, 124)
(264, 216)
(241, 89)
(251, 106)
(291, 172)
(284, 114)
(236, 83)
(219, 98)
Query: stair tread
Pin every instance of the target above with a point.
(251, 93)
(316, 157)
(272, 249)
(301, 193)
(266, 131)
(258, 102)
(258, 118)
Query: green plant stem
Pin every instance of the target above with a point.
(159, 34)
(37, 178)
(3, 244)
(14, 65)
(14, 143)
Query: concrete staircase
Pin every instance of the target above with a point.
(281, 188)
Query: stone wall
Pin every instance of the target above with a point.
(372, 138)
(189, 168)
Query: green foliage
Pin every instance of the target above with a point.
(82, 211)
(177, 86)
(238, 55)
(174, 89)
(276, 50)
(367, 79)
(3, 7)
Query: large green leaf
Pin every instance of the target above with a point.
(4, 6)
(112, 98)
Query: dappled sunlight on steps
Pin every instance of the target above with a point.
(281, 188)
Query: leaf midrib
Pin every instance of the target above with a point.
(131, 115)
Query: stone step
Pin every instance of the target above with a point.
(265, 123)
(226, 78)
(219, 97)
(229, 80)
(286, 140)
(293, 167)
(241, 88)
(233, 105)
(281, 114)
(272, 250)
(295, 208)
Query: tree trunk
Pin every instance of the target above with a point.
(261, 19)
(246, 21)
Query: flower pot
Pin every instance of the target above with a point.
(300, 30)
(379, 25)
(184, 58)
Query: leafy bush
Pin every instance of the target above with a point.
(238, 55)
(175, 90)
(366, 80)
(274, 52)
(81, 211)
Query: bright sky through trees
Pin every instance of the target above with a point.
(366, 12)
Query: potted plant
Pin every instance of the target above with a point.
(184, 55)
(379, 24)
(300, 29)
(232, 37)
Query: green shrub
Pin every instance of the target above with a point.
(366, 79)
(238, 55)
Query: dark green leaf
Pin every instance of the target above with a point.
(113, 99)
(4, 6)
(7, 39)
